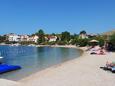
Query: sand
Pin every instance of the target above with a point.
(4, 82)
(83, 71)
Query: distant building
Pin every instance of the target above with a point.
(23, 38)
(13, 37)
(46, 38)
(83, 35)
(52, 38)
(26, 38)
(34, 38)
(92, 35)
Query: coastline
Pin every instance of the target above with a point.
(57, 65)
(11, 82)
(76, 72)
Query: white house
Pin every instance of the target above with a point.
(23, 38)
(34, 38)
(13, 37)
(52, 38)
(83, 35)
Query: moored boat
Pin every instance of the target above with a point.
(1, 59)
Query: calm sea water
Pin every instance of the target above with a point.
(33, 59)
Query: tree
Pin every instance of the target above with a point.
(82, 42)
(53, 34)
(40, 34)
(2, 39)
(112, 39)
(83, 32)
(111, 43)
(74, 39)
(65, 36)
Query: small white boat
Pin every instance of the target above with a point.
(1, 59)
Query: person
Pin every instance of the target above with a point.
(110, 64)
(101, 52)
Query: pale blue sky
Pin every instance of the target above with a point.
(56, 16)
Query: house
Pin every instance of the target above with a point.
(34, 38)
(52, 38)
(13, 37)
(92, 35)
(23, 38)
(83, 35)
(46, 38)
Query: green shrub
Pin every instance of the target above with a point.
(27, 42)
(51, 43)
(61, 42)
(112, 39)
(82, 42)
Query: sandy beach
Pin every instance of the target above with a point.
(82, 71)
(57, 42)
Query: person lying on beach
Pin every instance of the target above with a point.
(100, 51)
(110, 64)
(94, 49)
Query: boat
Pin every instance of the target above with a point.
(7, 68)
(1, 59)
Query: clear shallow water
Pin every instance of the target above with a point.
(33, 59)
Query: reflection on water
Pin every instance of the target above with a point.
(33, 59)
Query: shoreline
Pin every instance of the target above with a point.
(77, 72)
(57, 65)
(53, 46)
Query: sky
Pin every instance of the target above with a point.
(56, 16)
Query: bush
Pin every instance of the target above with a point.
(112, 39)
(111, 44)
(82, 42)
(61, 42)
(10, 42)
(51, 43)
(27, 42)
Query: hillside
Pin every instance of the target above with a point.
(109, 32)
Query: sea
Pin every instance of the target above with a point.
(33, 59)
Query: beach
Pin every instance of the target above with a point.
(83, 71)
(57, 42)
